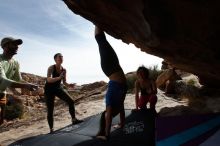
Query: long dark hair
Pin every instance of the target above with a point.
(144, 69)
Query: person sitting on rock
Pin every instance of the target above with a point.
(55, 75)
(147, 88)
(10, 76)
(117, 88)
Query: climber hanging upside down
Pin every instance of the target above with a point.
(117, 89)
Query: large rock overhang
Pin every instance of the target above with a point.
(185, 33)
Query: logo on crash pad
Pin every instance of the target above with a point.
(70, 128)
(134, 127)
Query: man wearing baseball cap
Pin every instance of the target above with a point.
(10, 76)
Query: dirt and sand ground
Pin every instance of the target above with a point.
(35, 122)
(19, 129)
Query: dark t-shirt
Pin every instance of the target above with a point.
(56, 84)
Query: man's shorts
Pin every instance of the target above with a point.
(143, 100)
(115, 95)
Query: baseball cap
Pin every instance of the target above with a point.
(10, 39)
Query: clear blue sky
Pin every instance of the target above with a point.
(48, 26)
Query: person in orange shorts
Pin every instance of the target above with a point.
(10, 76)
(147, 88)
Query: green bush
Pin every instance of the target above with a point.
(14, 111)
(131, 81)
(154, 72)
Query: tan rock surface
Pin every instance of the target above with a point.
(185, 33)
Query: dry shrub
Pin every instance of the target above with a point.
(13, 111)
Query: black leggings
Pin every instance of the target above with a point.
(109, 59)
(50, 96)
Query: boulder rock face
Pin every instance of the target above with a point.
(184, 32)
(34, 79)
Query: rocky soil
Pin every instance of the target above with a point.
(89, 101)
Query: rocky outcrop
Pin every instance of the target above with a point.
(167, 75)
(167, 80)
(184, 32)
(89, 91)
(93, 86)
(34, 79)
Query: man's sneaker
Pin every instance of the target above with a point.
(76, 121)
(51, 131)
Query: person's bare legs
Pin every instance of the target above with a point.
(110, 113)
(153, 101)
(122, 117)
(2, 114)
(108, 121)
(102, 125)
